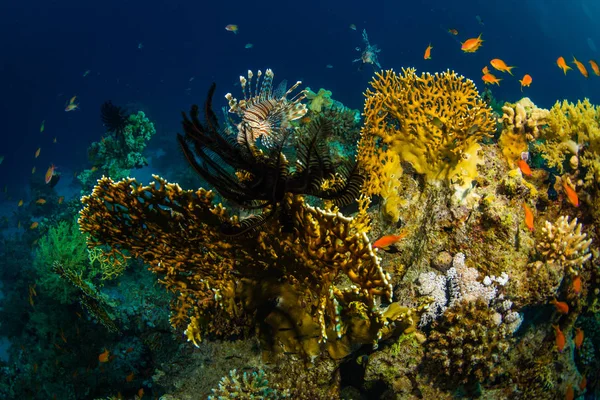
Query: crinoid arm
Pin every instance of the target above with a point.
(114, 118)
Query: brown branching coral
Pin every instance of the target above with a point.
(324, 259)
(434, 122)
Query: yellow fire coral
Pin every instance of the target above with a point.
(434, 122)
(574, 130)
(312, 273)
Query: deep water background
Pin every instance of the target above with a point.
(46, 46)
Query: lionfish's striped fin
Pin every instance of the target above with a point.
(265, 112)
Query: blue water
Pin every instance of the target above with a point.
(48, 45)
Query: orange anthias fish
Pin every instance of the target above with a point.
(129, 377)
(594, 66)
(471, 45)
(103, 357)
(577, 284)
(528, 217)
(386, 243)
(232, 28)
(526, 81)
(49, 174)
(501, 65)
(20, 203)
(485, 70)
(561, 306)
(570, 393)
(453, 32)
(61, 199)
(34, 225)
(40, 201)
(33, 170)
(37, 152)
(583, 383)
(427, 55)
(580, 67)
(140, 393)
(571, 194)
(490, 79)
(562, 64)
(560, 338)
(524, 167)
(578, 338)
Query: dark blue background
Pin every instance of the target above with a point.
(47, 45)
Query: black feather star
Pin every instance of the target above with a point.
(114, 118)
(268, 175)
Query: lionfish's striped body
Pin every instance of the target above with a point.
(265, 112)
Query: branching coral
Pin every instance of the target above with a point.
(564, 245)
(434, 122)
(324, 259)
(245, 387)
(573, 130)
(522, 122)
(120, 150)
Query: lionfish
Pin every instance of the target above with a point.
(265, 113)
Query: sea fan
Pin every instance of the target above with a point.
(114, 118)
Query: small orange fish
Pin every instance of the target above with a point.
(49, 173)
(490, 79)
(129, 377)
(94, 168)
(561, 306)
(560, 338)
(232, 28)
(471, 45)
(35, 367)
(485, 70)
(427, 55)
(33, 170)
(577, 284)
(562, 64)
(20, 203)
(571, 194)
(103, 357)
(578, 338)
(580, 67)
(129, 350)
(61, 199)
(524, 167)
(594, 66)
(387, 241)
(570, 393)
(37, 152)
(62, 336)
(34, 225)
(583, 383)
(453, 31)
(526, 81)
(40, 201)
(501, 65)
(528, 217)
(140, 393)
